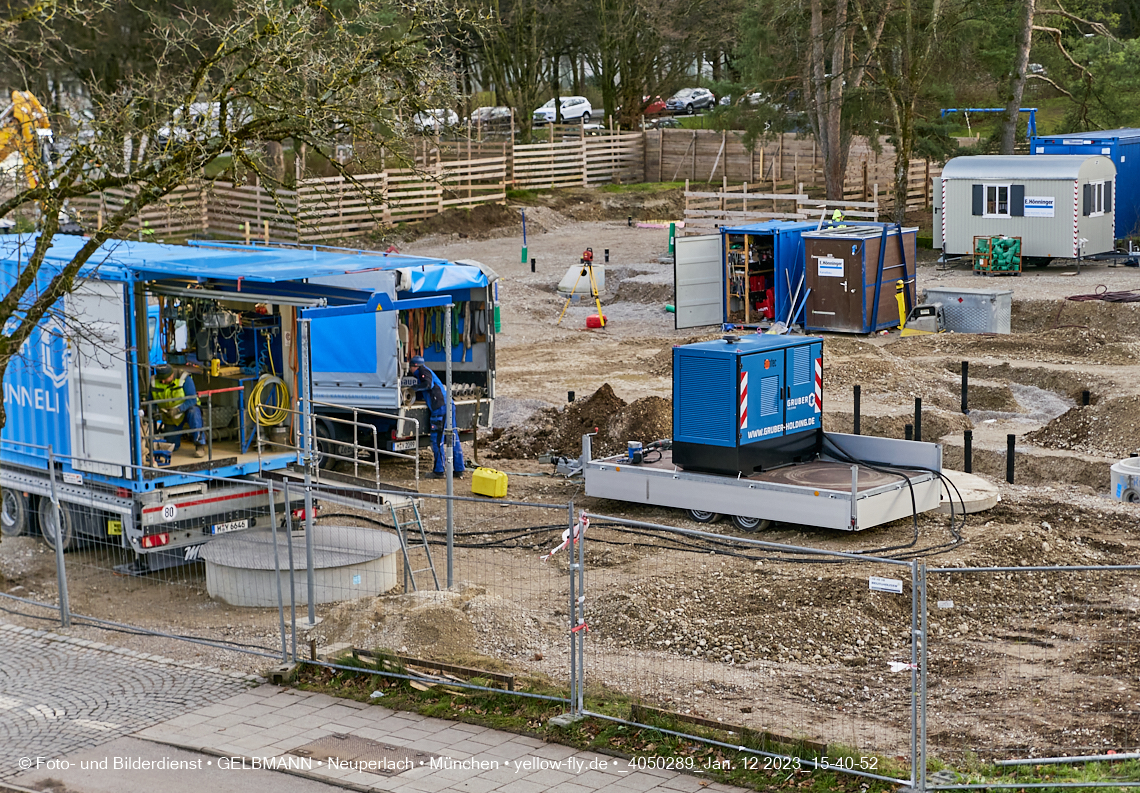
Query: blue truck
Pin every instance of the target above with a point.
(226, 316)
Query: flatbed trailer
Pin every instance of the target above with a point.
(827, 492)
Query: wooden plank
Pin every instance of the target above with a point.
(643, 713)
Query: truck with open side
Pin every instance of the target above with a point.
(77, 394)
(748, 442)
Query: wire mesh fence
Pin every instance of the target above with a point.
(1033, 662)
(721, 631)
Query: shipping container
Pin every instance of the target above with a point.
(851, 275)
(1122, 146)
(744, 276)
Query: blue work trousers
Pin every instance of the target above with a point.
(437, 419)
(192, 420)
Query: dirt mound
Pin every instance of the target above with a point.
(1065, 382)
(1110, 428)
(478, 222)
(616, 421)
(1068, 345)
(1032, 316)
(935, 423)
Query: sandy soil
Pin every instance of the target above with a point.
(1019, 662)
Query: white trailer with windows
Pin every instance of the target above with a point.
(1060, 205)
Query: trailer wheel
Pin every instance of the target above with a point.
(13, 513)
(325, 446)
(48, 525)
(750, 524)
(700, 516)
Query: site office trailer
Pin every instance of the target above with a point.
(1122, 146)
(851, 273)
(714, 274)
(1060, 205)
(79, 384)
(742, 405)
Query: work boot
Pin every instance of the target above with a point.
(199, 451)
(437, 475)
(456, 474)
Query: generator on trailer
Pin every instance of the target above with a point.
(748, 442)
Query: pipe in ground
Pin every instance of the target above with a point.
(1010, 455)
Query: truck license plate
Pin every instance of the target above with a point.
(233, 525)
(403, 446)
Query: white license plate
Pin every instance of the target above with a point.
(233, 525)
(403, 446)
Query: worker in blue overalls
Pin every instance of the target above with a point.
(431, 390)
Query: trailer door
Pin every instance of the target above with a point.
(97, 378)
(698, 281)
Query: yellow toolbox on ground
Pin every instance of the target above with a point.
(489, 482)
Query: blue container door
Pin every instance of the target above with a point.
(760, 396)
(789, 255)
(804, 403)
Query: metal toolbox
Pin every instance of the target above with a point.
(974, 310)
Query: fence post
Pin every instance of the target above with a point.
(923, 661)
(309, 461)
(448, 444)
(277, 569)
(292, 566)
(914, 636)
(60, 568)
(572, 615)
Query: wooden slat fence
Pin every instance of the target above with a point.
(744, 203)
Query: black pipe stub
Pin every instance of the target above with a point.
(908, 432)
(607, 255)
(1086, 398)
(731, 339)
(532, 261)
(968, 451)
(1010, 456)
(569, 396)
(855, 416)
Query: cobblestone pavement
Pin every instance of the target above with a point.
(59, 695)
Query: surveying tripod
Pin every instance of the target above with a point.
(587, 262)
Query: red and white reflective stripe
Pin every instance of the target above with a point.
(818, 385)
(1076, 218)
(943, 216)
(579, 531)
(744, 400)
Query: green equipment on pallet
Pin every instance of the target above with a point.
(997, 255)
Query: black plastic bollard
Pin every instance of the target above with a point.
(532, 265)
(855, 415)
(965, 386)
(1010, 454)
(918, 418)
(569, 396)
(1086, 398)
(968, 451)
(908, 432)
(607, 253)
(1134, 454)
(629, 221)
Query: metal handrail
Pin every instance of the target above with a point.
(355, 445)
(207, 425)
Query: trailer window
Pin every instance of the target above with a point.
(997, 201)
(1096, 199)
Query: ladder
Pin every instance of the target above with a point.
(411, 525)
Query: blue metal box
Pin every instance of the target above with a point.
(1122, 146)
(745, 404)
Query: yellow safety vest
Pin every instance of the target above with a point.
(170, 395)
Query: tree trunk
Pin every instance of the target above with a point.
(275, 158)
(827, 94)
(904, 147)
(1017, 80)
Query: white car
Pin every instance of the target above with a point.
(435, 120)
(574, 108)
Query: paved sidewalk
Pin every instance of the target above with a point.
(60, 695)
(263, 725)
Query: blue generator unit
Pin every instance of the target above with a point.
(747, 404)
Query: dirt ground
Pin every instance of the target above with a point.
(1019, 662)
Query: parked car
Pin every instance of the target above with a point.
(689, 100)
(664, 122)
(751, 98)
(574, 108)
(434, 120)
(491, 116)
(653, 106)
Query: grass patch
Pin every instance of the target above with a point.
(631, 747)
(525, 195)
(642, 187)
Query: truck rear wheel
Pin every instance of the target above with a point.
(13, 513)
(325, 446)
(48, 525)
(700, 516)
(750, 524)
